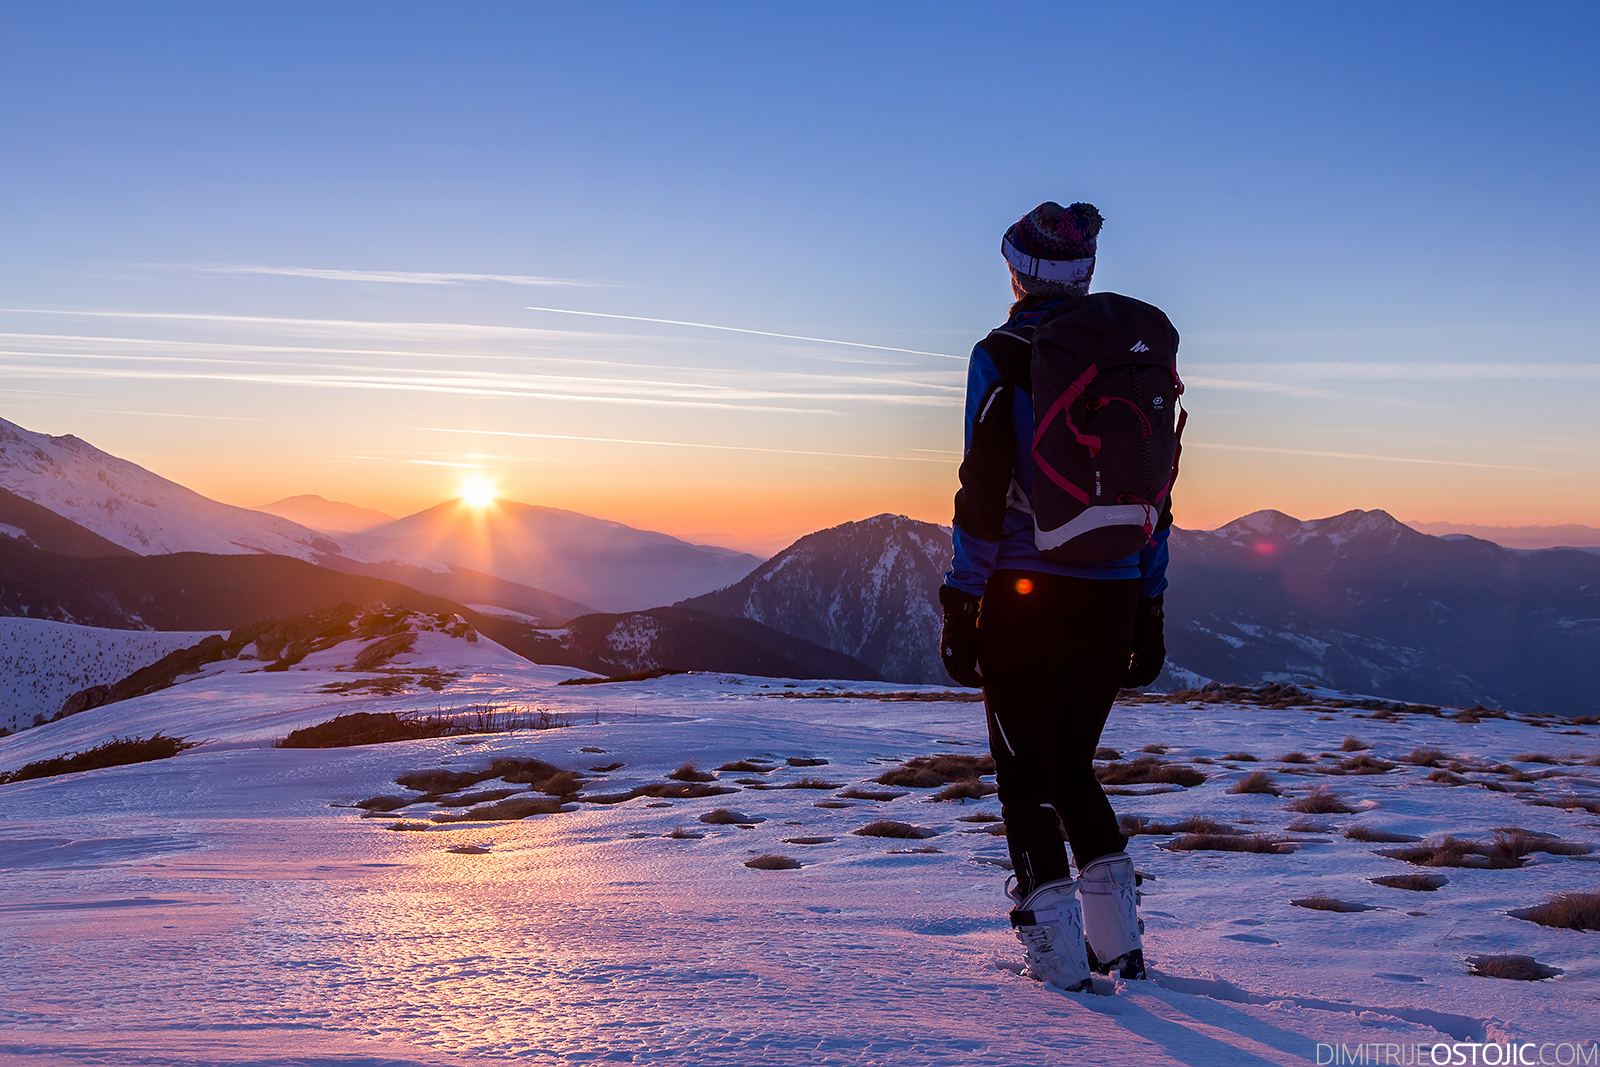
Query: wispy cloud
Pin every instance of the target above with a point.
(1254, 385)
(395, 277)
(738, 329)
(694, 444)
(1360, 455)
(1391, 370)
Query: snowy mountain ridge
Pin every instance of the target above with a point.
(137, 509)
(869, 589)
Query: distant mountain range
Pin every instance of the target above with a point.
(1570, 535)
(558, 561)
(1358, 602)
(1362, 602)
(200, 591)
(607, 564)
(326, 516)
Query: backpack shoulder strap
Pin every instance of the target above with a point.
(1012, 352)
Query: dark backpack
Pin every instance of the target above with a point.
(1102, 370)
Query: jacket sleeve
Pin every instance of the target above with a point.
(985, 476)
(1153, 557)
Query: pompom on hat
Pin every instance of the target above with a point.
(1051, 249)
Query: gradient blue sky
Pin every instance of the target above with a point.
(250, 246)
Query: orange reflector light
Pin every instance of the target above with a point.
(1024, 586)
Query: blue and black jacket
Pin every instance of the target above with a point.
(987, 540)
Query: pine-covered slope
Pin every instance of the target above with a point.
(869, 589)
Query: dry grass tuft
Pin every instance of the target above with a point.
(773, 862)
(1425, 757)
(1570, 803)
(809, 840)
(1353, 744)
(807, 782)
(1159, 750)
(1105, 753)
(514, 808)
(1295, 757)
(1418, 883)
(1133, 826)
(562, 784)
(1229, 843)
(1535, 757)
(688, 772)
(1147, 770)
(1361, 765)
(1504, 853)
(1515, 968)
(968, 790)
(118, 752)
(661, 790)
(1515, 842)
(1257, 782)
(482, 796)
(680, 833)
(857, 792)
(745, 766)
(1308, 826)
(1445, 777)
(1323, 902)
(1381, 837)
(891, 828)
(1565, 911)
(913, 777)
(1321, 802)
(729, 817)
(806, 761)
(603, 768)
(982, 816)
(1241, 757)
(925, 772)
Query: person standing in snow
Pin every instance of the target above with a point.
(1052, 642)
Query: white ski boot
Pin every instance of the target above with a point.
(1111, 916)
(1050, 926)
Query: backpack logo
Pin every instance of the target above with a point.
(1139, 346)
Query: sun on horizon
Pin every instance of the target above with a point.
(478, 492)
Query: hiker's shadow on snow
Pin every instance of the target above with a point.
(1189, 1040)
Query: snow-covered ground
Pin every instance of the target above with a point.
(228, 906)
(42, 663)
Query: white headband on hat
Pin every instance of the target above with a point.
(1071, 271)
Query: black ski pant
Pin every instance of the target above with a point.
(1054, 652)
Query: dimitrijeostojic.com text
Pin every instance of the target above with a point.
(1460, 1054)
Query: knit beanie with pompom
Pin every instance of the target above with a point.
(1051, 249)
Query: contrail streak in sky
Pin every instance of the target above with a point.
(687, 444)
(736, 329)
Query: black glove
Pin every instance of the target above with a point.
(958, 641)
(1149, 648)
